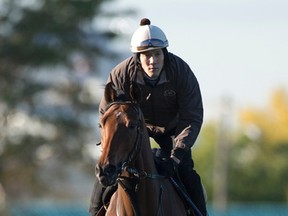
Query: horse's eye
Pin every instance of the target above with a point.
(99, 125)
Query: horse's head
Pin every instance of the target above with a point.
(120, 133)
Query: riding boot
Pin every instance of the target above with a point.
(192, 182)
(100, 197)
(96, 198)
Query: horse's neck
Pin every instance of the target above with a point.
(146, 194)
(149, 189)
(145, 161)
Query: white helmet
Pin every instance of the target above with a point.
(148, 37)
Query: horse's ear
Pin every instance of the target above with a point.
(135, 92)
(110, 93)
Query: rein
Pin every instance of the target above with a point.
(141, 175)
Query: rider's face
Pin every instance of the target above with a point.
(152, 62)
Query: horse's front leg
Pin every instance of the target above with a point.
(120, 204)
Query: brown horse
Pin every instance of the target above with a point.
(127, 159)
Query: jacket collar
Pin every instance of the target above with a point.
(139, 77)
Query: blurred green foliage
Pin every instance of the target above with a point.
(257, 168)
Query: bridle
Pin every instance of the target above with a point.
(137, 144)
(130, 184)
(126, 165)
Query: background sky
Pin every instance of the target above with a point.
(237, 48)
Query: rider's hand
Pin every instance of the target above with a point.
(177, 154)
(167, 167)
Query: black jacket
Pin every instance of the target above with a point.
(173, 105)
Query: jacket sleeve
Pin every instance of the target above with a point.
(190, 108)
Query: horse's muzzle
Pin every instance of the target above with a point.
(107, 175)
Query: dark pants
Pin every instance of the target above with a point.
(96, 198)
(187, 174)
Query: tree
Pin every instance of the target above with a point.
(259, 169)
(49, 51)
(257, 156)
(203, 153)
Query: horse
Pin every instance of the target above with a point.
(127, 160)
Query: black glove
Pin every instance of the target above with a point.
(167, 167)
(177, 154)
